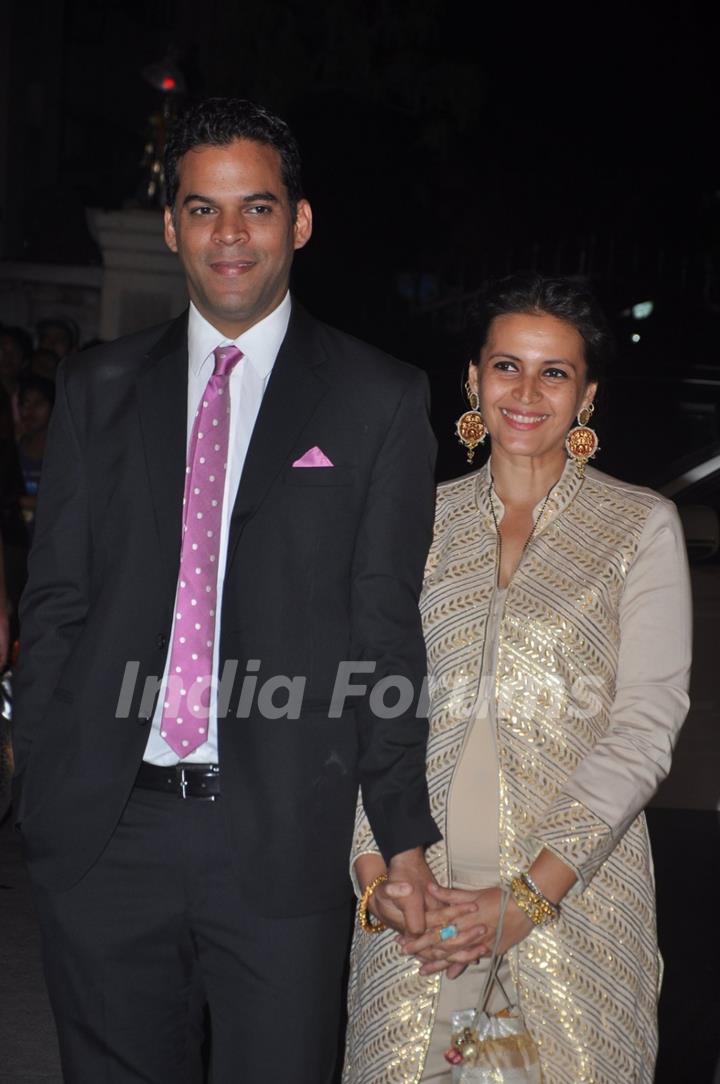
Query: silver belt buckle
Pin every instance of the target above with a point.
(183, 783)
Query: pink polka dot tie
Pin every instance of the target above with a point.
(187, 698)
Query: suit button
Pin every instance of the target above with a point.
(161, 640)
(143, 720)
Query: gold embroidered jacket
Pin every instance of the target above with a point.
(591, 680)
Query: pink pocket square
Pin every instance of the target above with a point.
(314, 457)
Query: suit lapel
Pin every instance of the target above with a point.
(295, 388)
(162, 401)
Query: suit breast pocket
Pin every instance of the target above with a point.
(320, 476)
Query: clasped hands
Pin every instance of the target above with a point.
(412, 903)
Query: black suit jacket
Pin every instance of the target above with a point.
(324, 565)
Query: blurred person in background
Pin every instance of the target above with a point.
(6, 756)
(36, 397)
(44, 362)
(12, 525)
(58, 334)
(15, 351)
(4, 622)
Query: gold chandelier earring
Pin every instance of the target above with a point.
(470, 427)
(582, 442)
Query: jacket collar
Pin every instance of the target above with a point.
(297, 384)
(545, 511)
(295, 388)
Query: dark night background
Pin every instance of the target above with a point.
(442, 144)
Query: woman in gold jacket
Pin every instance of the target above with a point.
(556, 610)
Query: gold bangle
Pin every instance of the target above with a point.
(538, 891)
(539, 910)
(364, 921)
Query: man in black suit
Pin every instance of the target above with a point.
(184, 856)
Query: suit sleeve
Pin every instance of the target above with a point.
(618, 778)
(55, 601)
(392, 544)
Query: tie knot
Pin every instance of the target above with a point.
(226, 358)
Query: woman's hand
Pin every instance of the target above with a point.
(476, 930)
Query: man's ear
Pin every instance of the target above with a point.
(170, 237)
(302, 229)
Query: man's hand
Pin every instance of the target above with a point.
(385, 900)
(409, 877)
(383, 906)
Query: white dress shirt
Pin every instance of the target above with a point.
(248, 381)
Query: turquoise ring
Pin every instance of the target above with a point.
(447, 932)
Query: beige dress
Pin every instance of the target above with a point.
(473, 847)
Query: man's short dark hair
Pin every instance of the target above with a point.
(217, 122)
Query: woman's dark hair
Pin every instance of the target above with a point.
(569, 298)
(217, 122)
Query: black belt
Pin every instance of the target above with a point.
(185, 780)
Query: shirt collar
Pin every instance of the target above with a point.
(260, 343)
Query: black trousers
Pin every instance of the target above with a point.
(157, 930)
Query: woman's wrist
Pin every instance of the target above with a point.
(367, 867)
(551, 877)
(529, 899)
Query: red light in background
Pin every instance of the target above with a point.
(168, 83)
